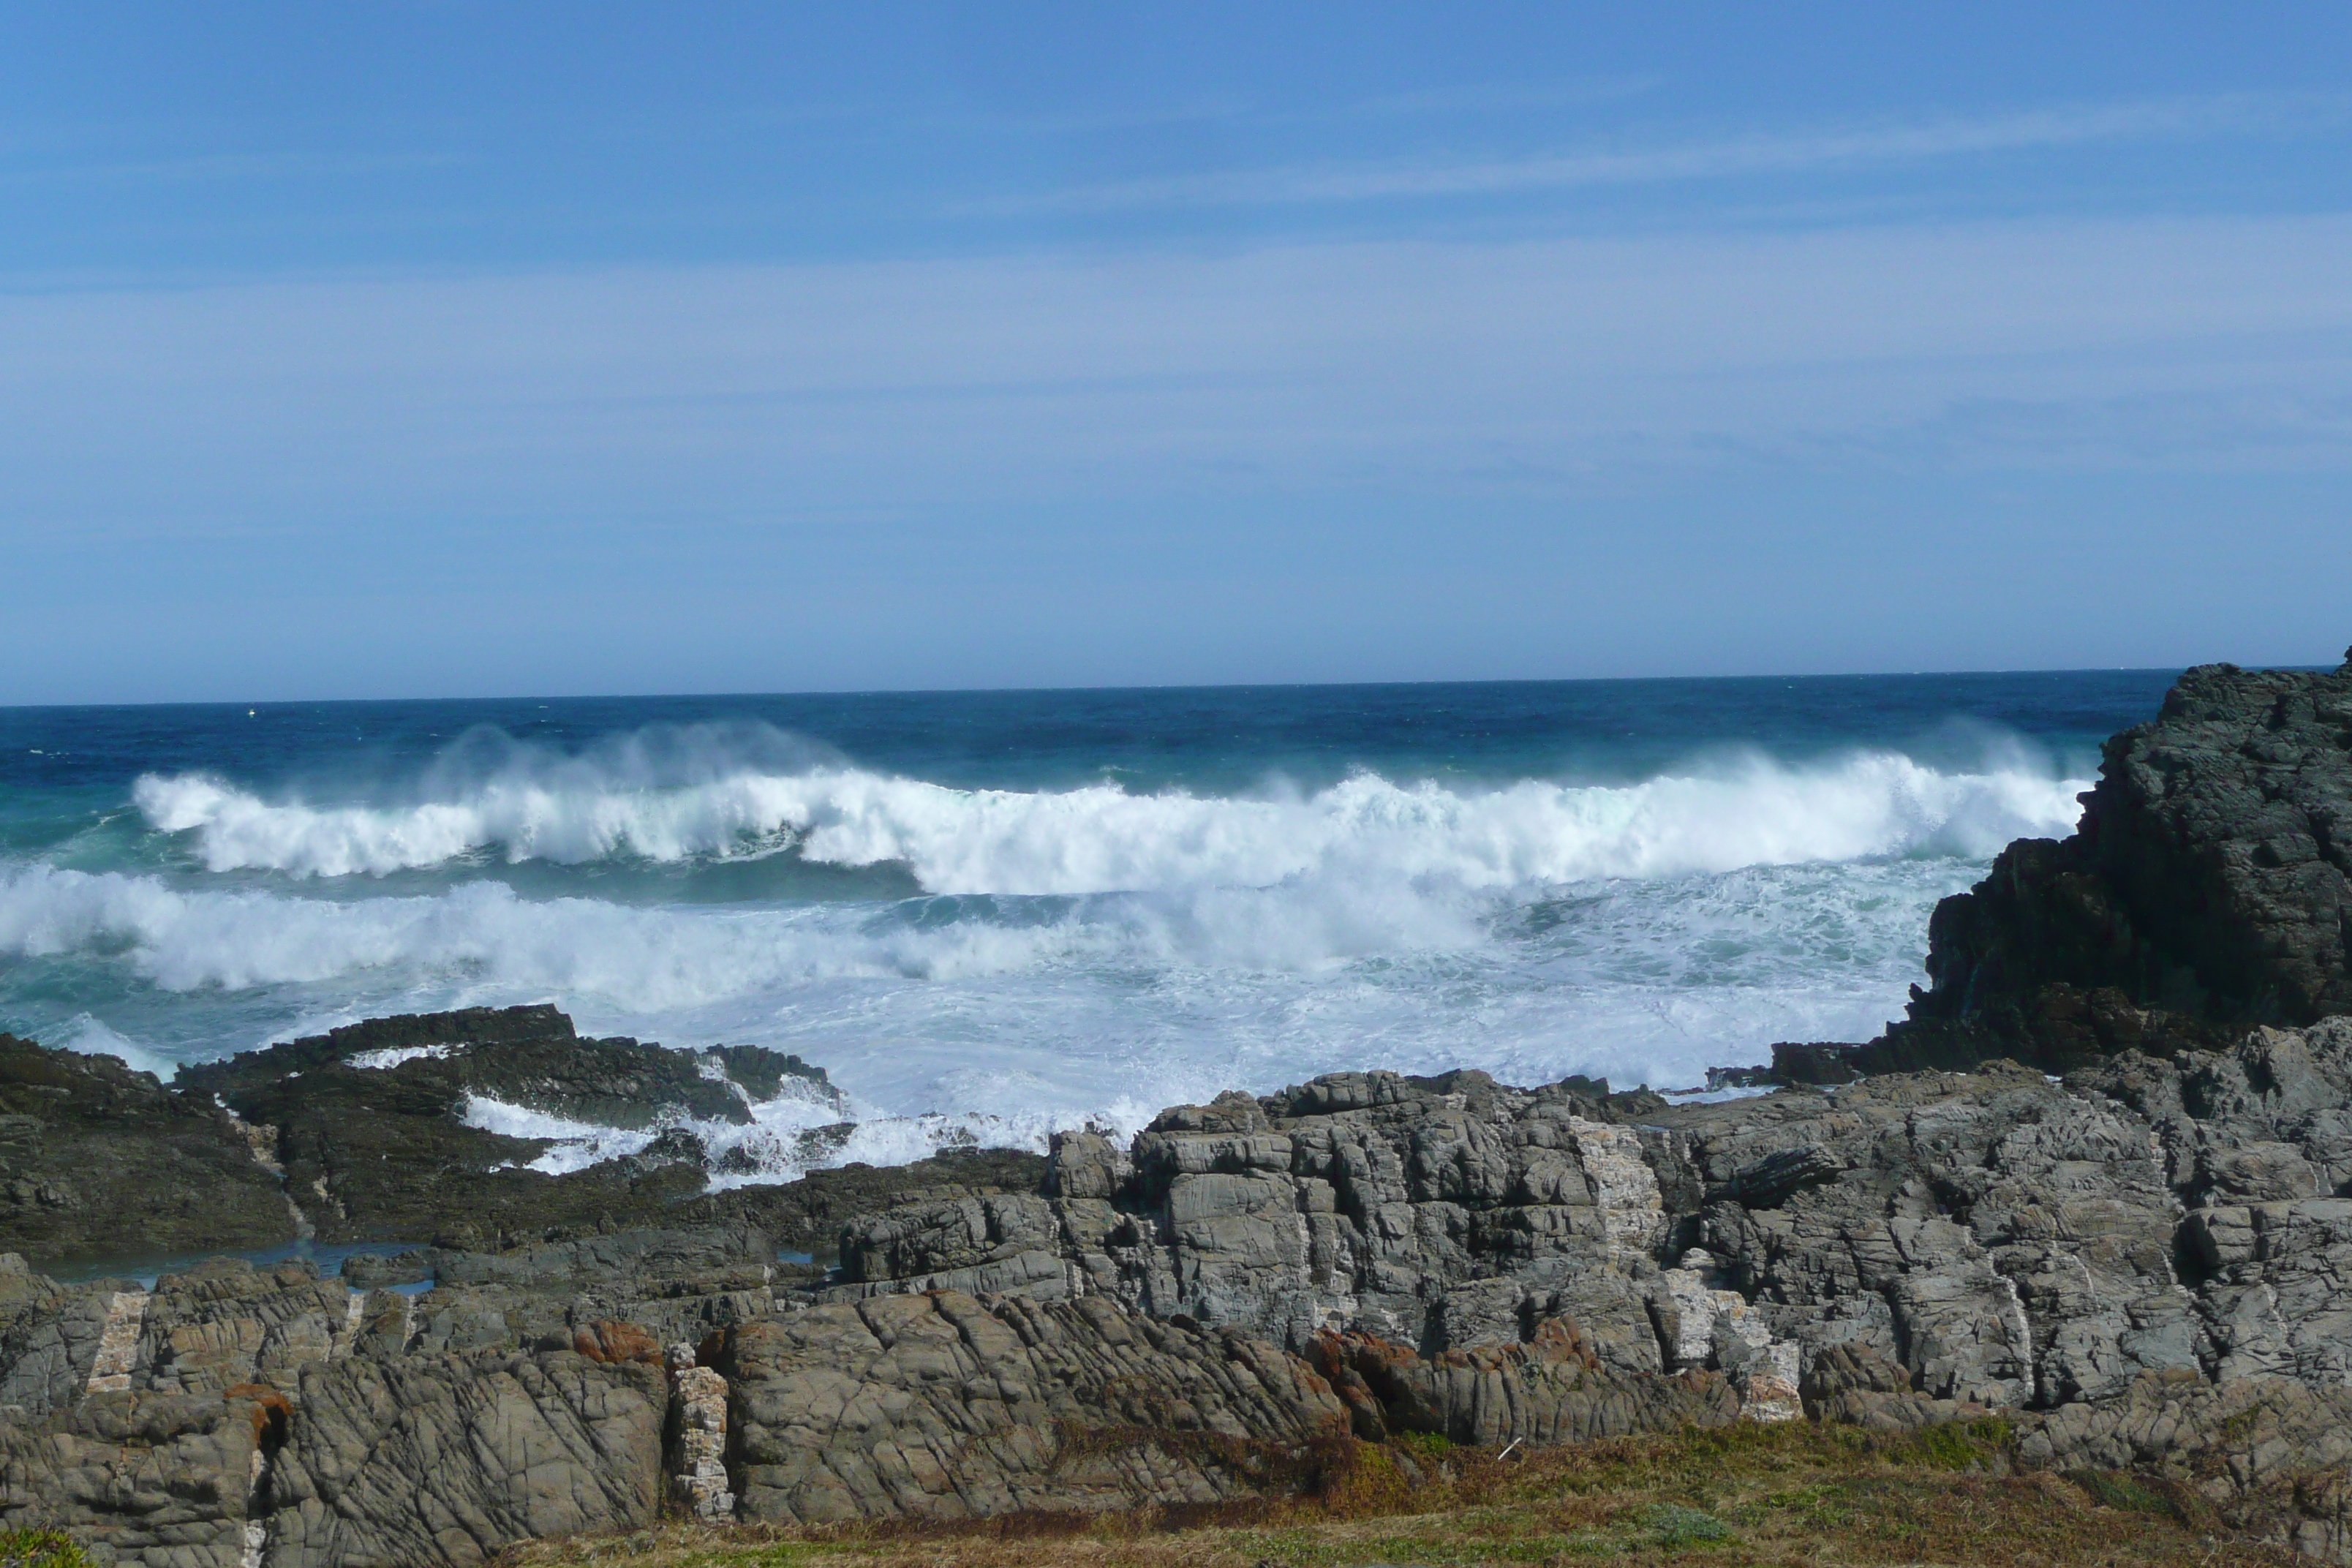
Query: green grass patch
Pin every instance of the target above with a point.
(1965, 1445)
(1672, 1524)
(1427, 1446)
(1791, 1495)
(40, 1549)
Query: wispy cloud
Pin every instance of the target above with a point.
(895, 473)
(1422, 368)
(1838, 148)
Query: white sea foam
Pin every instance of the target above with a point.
(773, 1147)
(1102, 838)
(1024, 1014)
(86, 1034)
(1085, 954)
(393, 1056)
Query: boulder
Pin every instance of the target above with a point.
(158, 1480)
(2207, 889)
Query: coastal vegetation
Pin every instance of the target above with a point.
(1748, 1496)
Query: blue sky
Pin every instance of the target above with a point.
(444, 348)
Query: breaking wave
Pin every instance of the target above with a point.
(986, 964)
(1030, 1013)
(1101, 839)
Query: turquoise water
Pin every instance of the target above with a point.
(145, 1268)
(990, 913)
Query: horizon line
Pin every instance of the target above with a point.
(258, 703)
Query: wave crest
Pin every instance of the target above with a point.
(1101, 839)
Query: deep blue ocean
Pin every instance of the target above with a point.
(990, 914)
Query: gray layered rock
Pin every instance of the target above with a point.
(1439, 1213)
(2139, 1265)
(2004, 1240)
(942, 1406)
(2154, 1235)
(428, 1460)
(1551, 1389)
(158, 1480)
(360, 1428)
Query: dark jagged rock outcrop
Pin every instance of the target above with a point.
(362, 1135)
(807, 1215)
(2208, 888)
(530, 1056)
(96, 1158)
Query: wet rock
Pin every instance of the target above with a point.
(361, 1134)
(374, 1271)
(369, 1122)
(2207, 889)
(96, 1159)
(810, 1212)
(533, 1058)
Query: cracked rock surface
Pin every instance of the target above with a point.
(2141, 1265)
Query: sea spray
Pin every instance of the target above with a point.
(988, 915)
(1105, 838)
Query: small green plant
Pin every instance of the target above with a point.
(1424, 1445)
(2128, 1494)
(40, 1549)
(1679, 1526)
(2238, 1428)
(1821, 1504)
(1964, 1445)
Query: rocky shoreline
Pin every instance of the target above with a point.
(2095, 1186)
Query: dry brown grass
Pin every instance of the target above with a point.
(1796, 1494)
